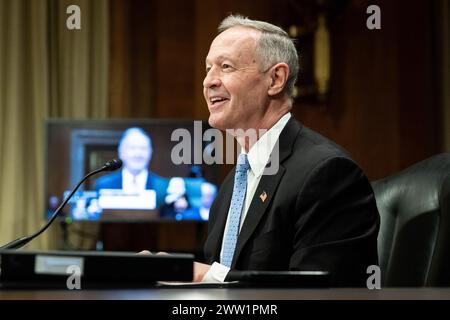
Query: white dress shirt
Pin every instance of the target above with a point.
(258, 157)
(134, 184)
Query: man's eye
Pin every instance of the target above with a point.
(207, 69)
(226, 66)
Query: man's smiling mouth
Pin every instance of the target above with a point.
(217, 100)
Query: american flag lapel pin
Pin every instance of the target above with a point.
(263, 196)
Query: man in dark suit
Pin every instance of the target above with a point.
(317, 211)
(135, 150)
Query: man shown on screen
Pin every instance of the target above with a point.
(135, 150)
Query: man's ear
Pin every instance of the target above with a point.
(279, 74)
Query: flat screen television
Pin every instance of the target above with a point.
(152, 184)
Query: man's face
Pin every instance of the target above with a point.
(235, 89)
(135, 152)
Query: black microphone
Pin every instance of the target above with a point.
(110, 165)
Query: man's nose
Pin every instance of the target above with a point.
(211, 80)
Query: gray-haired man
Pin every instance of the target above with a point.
(318, 211)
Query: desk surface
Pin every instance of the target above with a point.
(230, 294)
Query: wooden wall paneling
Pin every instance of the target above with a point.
(132, 58)
(361, 113)
(372, 111)
(175, 61)
(419, 133)
(142, 59)
(119, 66)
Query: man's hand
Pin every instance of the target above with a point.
(200, 269)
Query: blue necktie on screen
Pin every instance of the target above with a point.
(234, 213)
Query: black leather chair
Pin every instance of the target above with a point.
(414, 238)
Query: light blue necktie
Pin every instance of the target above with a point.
(234, 213)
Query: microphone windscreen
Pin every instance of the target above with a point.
(113, 164)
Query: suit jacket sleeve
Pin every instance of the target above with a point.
(336, 223)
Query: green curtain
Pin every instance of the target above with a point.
(46, 71)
